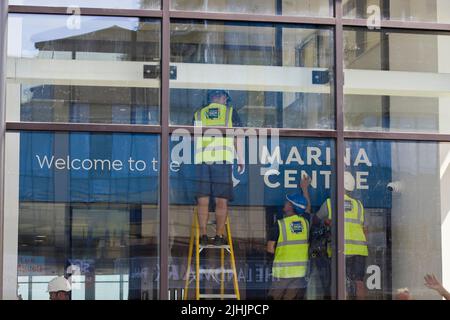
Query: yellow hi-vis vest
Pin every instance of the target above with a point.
(355, 239)
(212, 149)
(291, 254)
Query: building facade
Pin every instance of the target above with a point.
(98, 139)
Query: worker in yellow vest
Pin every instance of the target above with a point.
(356, 250)
(214, 157)
(289, 242)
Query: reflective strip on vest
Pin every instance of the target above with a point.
(214, 149)
(291, 254)
(290, 243)
(289, 264)
(355, 239)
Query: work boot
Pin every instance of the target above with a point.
(204, 240)
(219, 241)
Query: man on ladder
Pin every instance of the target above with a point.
(289, 241)
(214, 158)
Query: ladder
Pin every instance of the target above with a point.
(194, 241)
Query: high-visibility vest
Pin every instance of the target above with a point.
(355, 239)
(291, 254)
(211, 149)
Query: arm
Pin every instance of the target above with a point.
(238, 142)
(273, 238)
(271, 247)
(322, 214)
(239, 146)
(366, 231)
(433, 283)
(364, 223)
(304, 184)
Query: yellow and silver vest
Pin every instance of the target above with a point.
(291, 254)
(355, 239)
(214, 149)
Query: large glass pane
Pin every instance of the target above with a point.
(316, 8)
(122, 4)
(83, 69)
(276, 75)
(397, 80)
(402, 10)
(396, 218)
(84, 206)
(255, 199)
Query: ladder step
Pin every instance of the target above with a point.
(218, 296)
(211, 246)
(218, 270)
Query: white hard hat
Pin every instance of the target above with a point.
(59, 284)
(349, 181)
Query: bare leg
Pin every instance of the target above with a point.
(221, 215)
(203, 213)
(360, 290)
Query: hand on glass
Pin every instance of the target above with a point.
(433, 283)
(305, 182)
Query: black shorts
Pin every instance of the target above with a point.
(355, 267)
(214, 180)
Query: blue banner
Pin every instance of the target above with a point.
(279, 167)
(124, 168)
(89, 167)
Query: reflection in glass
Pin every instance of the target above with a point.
(122, 4)
(257, 200)
(87, 208)
(396, 81)
(276, 75)
(316, 8)
(98, 70)
(402, 10)
(401, 186)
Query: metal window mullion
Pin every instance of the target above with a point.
(340, 152)
(3, 39)
(394, 24)
(164, 159)
(85, 11)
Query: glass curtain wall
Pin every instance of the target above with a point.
(334, 110)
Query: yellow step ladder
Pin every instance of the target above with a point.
(194, 241)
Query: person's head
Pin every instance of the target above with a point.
(219, 96)
(59, 288)
(403, 294)
(295, 204)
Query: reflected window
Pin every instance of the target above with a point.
(316, 8)
(98, 70)
(276, 75)
(391, 187)
(396, 81)
(122, 4)
(87, 209)
(401, 10)
(256, 204)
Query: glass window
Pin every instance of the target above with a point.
(255, 199)
(286, 7)
(397, 203)
(397, 81)
(401, 10)
(122, 4)
(85, 206)
(275, 75)
(83, 69)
